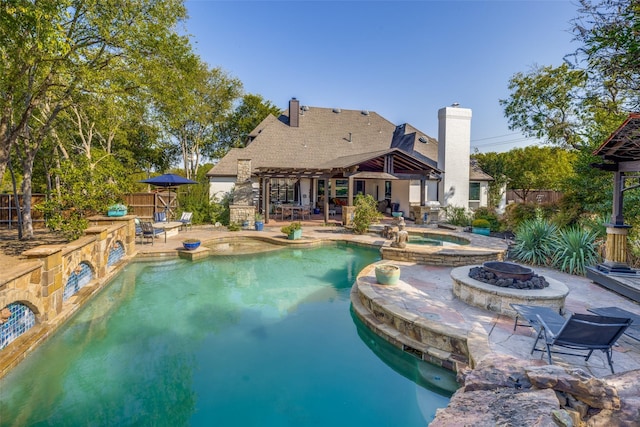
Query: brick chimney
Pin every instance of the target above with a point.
(294, 113)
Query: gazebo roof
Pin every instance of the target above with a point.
(624, 143)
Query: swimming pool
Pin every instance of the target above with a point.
(263, 339)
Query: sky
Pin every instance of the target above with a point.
(402, 59)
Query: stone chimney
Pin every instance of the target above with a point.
(454, 151)
(294, 113)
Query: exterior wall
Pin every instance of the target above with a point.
(400, 194)
(454, 150)
(219, 186)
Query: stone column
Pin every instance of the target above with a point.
(51, 280)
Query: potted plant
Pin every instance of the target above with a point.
(481, 226)
(293, 230)
(387, 274)
(117, 209)
(191, 244)
(259, 223)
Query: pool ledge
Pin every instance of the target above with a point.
(384, 310)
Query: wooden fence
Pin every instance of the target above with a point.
(9, 210)
(143, 205)
(535, 196)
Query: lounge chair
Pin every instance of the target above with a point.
(632, 331)
(530, 314)
(150, 232)
(185, 219)
(581, 332)
(160, 216)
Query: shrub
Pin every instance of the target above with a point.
(489, 215)
(234, 226)
(366, 213)
(480, 223)
(574, 249)
(458, 216)
(288, 229)
(534, 242)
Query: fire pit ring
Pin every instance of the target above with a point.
(508, 270)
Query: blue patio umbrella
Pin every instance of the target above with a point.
(168, 180)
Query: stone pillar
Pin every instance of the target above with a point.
(51, 279)
(347, 215)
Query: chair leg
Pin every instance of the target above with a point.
(610, 358)
(549, 354)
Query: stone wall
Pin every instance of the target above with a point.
(242, 213)
(503, 390)
(39, 283)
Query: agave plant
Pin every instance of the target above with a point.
(534, 242)
(574, 250)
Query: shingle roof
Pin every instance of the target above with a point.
(327, 138)
(624, 143)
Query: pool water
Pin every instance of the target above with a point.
(433, 239)
(265, 340)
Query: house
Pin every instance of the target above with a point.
(323, 157)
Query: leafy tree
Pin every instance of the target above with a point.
(546, 103)
(84, 190)
(233, 132)
(537, 168)
(190, 108)
(495, 164)
(610, 51)
(54, 52)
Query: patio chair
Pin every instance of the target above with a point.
(585, 332)
(138, 229)
(160, 216)
(150, 232)
(185, 219)
(305, 210)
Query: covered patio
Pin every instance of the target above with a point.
(390, 176)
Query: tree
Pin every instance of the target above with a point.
(233, 132)
(495, 164)
(546, 103)
(537, 168)
(610, 51)
(53, 51)
(192, 107)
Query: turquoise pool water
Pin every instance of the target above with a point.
(260, 340)
(433, 239)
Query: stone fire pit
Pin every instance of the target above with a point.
(498, 299)
(508, 275)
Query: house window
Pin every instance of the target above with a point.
(474, 191)
(359, 187)
(387, 189)
(342, 187)
(282, 190)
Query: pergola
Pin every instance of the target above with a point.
(621, 155)
(389, 164)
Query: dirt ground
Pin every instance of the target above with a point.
(11, 247)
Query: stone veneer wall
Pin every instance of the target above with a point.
(39, 284)
(440, 257)
(239, 214)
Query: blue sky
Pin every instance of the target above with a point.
(401, 59)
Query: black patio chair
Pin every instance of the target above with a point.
(150, 232)
(581, 332)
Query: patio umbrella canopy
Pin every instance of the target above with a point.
(168, 180)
